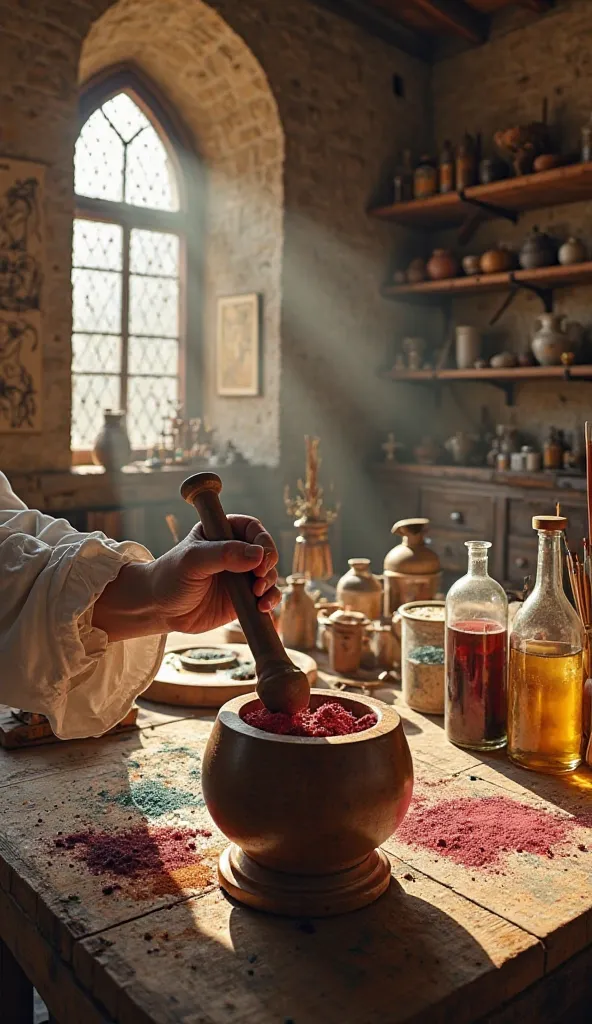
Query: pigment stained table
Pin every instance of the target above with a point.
(109, 903)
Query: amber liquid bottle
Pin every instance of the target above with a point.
(545, 679)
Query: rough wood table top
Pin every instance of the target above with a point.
(446, 943)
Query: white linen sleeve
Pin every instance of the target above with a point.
(52, 660)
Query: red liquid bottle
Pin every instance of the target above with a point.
(476, 657)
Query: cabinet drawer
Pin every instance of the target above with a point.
(520, 515)
(451, 550)
(469, 513)
(522, 558)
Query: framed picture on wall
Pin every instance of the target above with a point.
(238, 345)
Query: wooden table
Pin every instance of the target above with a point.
(446, 943)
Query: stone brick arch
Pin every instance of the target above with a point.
(210, 76)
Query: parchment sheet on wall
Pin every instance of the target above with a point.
(22, 241)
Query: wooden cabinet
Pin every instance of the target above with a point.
(480, 504)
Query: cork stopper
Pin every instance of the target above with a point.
(549, 522)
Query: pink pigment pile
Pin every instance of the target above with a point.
(329, 719)
(478, 832)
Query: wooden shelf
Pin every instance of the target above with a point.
(562, 185)
(488, 374)
(544, 277)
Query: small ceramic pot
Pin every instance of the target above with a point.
(538, 250)
(546, 162)
(572, 251)
(416, 271)
(503, 360)
(298, 615)
(471, 264)
(468, 346)
(346, 632)
(496, 260)
(442, 265)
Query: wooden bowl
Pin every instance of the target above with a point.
(305, 815)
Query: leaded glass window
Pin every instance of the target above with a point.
(126, 268)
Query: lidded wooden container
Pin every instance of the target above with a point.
(411, 569)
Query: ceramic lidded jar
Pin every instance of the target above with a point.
(496, 260)
(359, 590)
(112, 448)
(411, 568)
(298, 615)
(442, 265)
(538, 250)
(346, 633)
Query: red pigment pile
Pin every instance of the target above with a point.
(328, 720)
(477, 832)
(136, 850)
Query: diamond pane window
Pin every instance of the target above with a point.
(126, 270)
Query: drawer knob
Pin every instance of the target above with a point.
(521, 562)
(456, 517)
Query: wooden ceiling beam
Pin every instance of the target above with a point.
(454, 16)
(380, 24)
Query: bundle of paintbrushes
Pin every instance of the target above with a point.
(579, 570)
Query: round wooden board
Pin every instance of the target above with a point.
(211, 689)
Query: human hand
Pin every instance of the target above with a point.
(187, 584)
(184, 590)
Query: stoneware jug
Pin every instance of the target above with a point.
(553, 337)
(112, 447)
(467, 346)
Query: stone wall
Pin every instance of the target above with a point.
(330, 87)
(494, 86)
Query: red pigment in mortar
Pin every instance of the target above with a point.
(330, 719)
(476, 832)
(136, 850)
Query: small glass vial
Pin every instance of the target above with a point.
(476, 656)
(545, 679)
(446, 168)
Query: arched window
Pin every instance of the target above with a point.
(127, 267)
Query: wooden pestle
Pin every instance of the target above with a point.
(281, 686)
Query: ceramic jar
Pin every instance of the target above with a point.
(468, 346)
(427, 451)
(422, 655)
(112, 447)
(441, 265)
(496, 261)
(572, 251)
(551, 339)
(411, 568)
(345, 630)
(416, 271)
(460, 446)
(359, 590)
(538, 250)
(298, 615)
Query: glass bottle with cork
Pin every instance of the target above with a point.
(545, 680)
(476, 656)
(425, 178)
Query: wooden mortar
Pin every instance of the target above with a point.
(305, 815)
